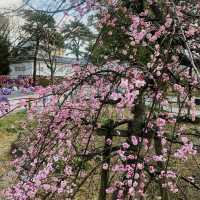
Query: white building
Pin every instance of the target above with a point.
(64, 66)
(4, 23)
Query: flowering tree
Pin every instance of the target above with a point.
(111, 123)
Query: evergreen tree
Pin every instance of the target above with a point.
(4, 56)
(77, 35)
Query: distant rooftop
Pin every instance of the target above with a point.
(59, 59)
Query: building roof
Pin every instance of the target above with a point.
(58, 59)
(3, 21)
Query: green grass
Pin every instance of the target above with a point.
(10, 127)
(12, 123)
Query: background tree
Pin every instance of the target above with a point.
(52, 42)
(35, 29)
(78, 36)
(4, 55)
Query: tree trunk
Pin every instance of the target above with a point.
(35, 62)
(189, 93)
(158, 150)
(106, 159)
(105, 173)
(77, 55)
(52, 75)
(136, 125)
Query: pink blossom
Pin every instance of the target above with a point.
(131, 191)
(136, 176)
(134, 140)
(105, 166)
(179, 88)
(110, 190)
(185, 151)
(110, 33)
(151, 169)
(109, 141)
(135, 22)
(140, 166)
(191, 31)
(168, 22)
(125, 145)
(124, 52)
(46, 187)
(184, 139)
(160, 122)
(159, 158)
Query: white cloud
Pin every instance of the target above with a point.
(10, 4)
(15, 22)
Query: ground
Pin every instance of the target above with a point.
(9, 130)
(10, 127)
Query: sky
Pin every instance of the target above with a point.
(7, 6)
(10, 4)
(16, 21)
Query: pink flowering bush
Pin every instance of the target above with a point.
(64, 151)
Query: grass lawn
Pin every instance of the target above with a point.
(10, 127)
